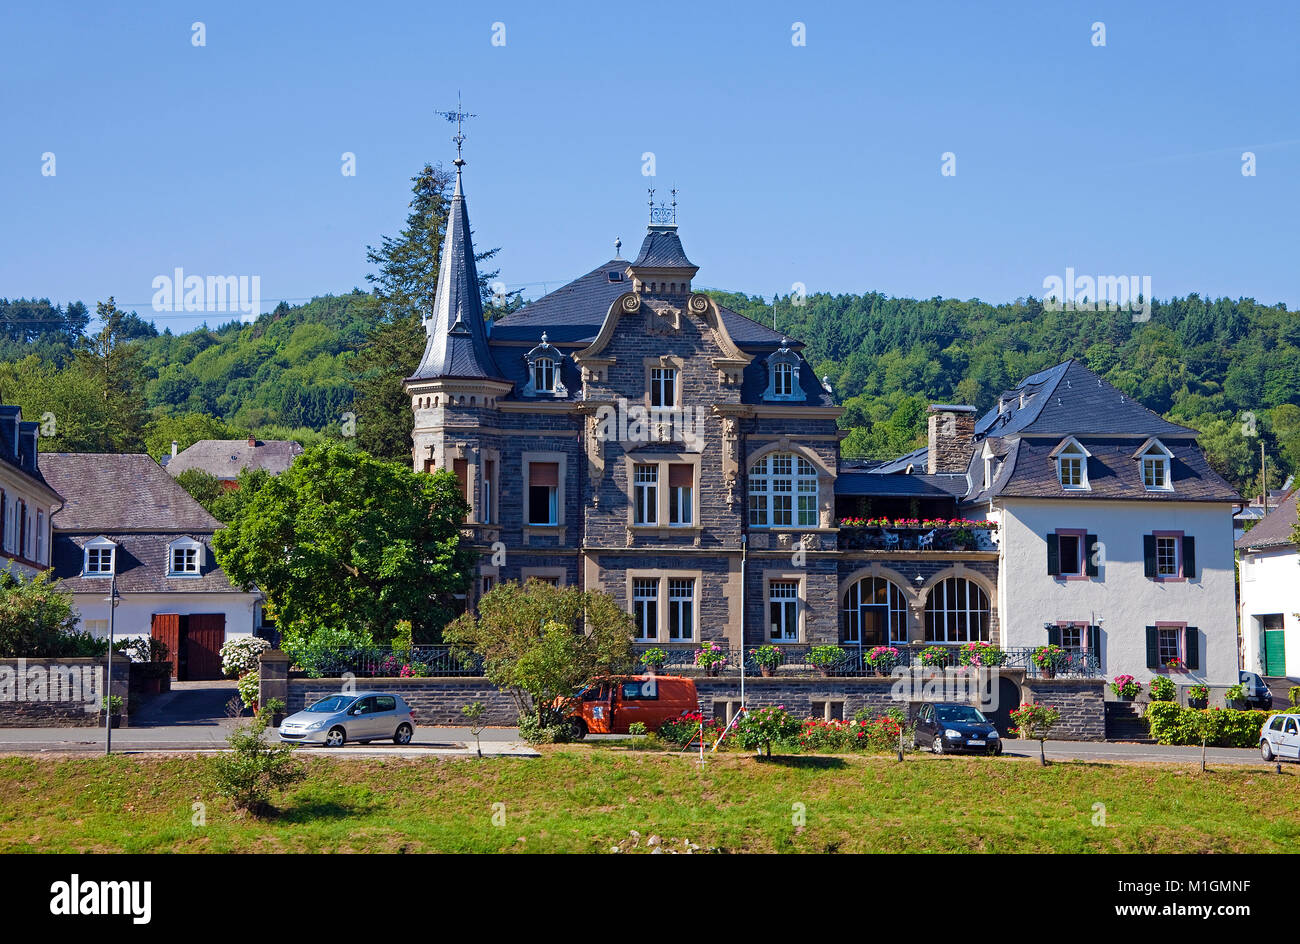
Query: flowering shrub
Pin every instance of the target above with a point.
(710, 654)
(1235, 693)
(1198, 692)
(981, 654)
(936, 656)
(239, 655)
(1034, 721)
(953, 524)
(767, 657)
(1161, 689)
(1174, 663)
(759, 728)
(249, 685)
(883, 658)
(1126, 686)
(654, 658)
(680, 731)
(1050, 656)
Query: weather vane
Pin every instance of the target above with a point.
(458, 116)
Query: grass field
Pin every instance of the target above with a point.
(584, 799)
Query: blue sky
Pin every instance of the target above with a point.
(817, 164)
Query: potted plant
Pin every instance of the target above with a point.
(1235, 696)
(1048, 658)
(275, 708)
(113, 707)
(711, 658)
(249, 686)
(768, 658)
(654, 659)
(983, 654)
(826, 658)
(935, 656)
(1161, 689)
(1126, 687)
(1198, 696)
(1175, 665)
(883, 659)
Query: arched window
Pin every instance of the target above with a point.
(957, 611)
(544, 375)
(782, 492)
(874, 614)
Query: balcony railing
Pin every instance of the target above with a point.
(858, 534)
(799, 660)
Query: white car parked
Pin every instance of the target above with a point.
(1280, 738)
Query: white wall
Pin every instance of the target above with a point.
(1270, 583)
(134, 615)
(1121, 594)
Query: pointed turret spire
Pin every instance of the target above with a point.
(456, 343)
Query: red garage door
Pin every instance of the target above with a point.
(206, 633)
(166, 628)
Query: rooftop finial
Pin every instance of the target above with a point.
(618, 246)
(661, 215)
(458, 116)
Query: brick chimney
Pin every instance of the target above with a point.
(952, 438)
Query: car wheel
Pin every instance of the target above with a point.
(578, 728)
(403, 735)
(916, 744)
(335, 737)
(1266, 750)
(937, 746)
(997, 750)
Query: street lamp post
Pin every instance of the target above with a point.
(108, 672)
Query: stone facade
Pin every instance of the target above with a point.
(49, 693)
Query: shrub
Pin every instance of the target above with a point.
(1222, 727)
(936, 656)
(254, 770)
(1161, 689)
(709, 654)
(147, 649)
(329, 653)
(535, 732)
(1293, 694)
(680, 731)
(239, 655)
(654, 658)
(637, 729)
(114, 704)
(1034, 721)
(1198, 692)
(760, 728)
(883, 658)
(249, 685)
(1235, 693)
(1050, 656)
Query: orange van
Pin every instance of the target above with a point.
(610, 705)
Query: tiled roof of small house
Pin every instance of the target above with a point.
(226, 458)
(1275, 529)
(107, 493)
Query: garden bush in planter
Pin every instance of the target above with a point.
(1173, 724)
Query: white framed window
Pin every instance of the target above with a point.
(645, 494)
(783, 380)
(645, 608)
(663, 386)
(184, 558)
(40, 537)
(957, 610)
(1072, 636)
(681, 609)
(544, 375)
(782, 492)
(99, 558)
(1167, 556)
(1155, 459)
(1072, 465)
(783, 610)
(681, 494)
(1169, 643)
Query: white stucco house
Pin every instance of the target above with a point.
(27, 500)
(127, 524)
(1270, 593)
(1115, 535)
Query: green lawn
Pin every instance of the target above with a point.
(582, 798)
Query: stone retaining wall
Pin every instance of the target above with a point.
(56, 693)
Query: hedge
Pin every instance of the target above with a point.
(1173, 724)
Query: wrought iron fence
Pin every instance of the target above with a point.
(387, 662)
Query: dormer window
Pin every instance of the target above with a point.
(184, 558)
(100, 558)
(783, 375)
(1155, 459)
(1072, 465)
(544, 372)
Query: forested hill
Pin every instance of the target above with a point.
(1201, 363)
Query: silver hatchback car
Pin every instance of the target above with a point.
(364, 717)
(1280, 737)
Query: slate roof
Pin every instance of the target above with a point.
(226, 458)
(1274, 529)
(18, 444)
(855, 482)
(456, 337)
(1070, 400)
(662, 249)
(112, 494)
(1028, 471)
(142, 564)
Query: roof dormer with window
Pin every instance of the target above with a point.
(185, 558)
(1072, 465)
(1156, 461)
(100, 558)
(783, 375)
(544, 371)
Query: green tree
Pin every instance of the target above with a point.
(112, 359)
(541, 643)
(345, 541)
(204, 487)
(36, 617)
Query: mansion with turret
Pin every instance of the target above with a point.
(627, 433)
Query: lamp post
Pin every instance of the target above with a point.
(112, 600)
